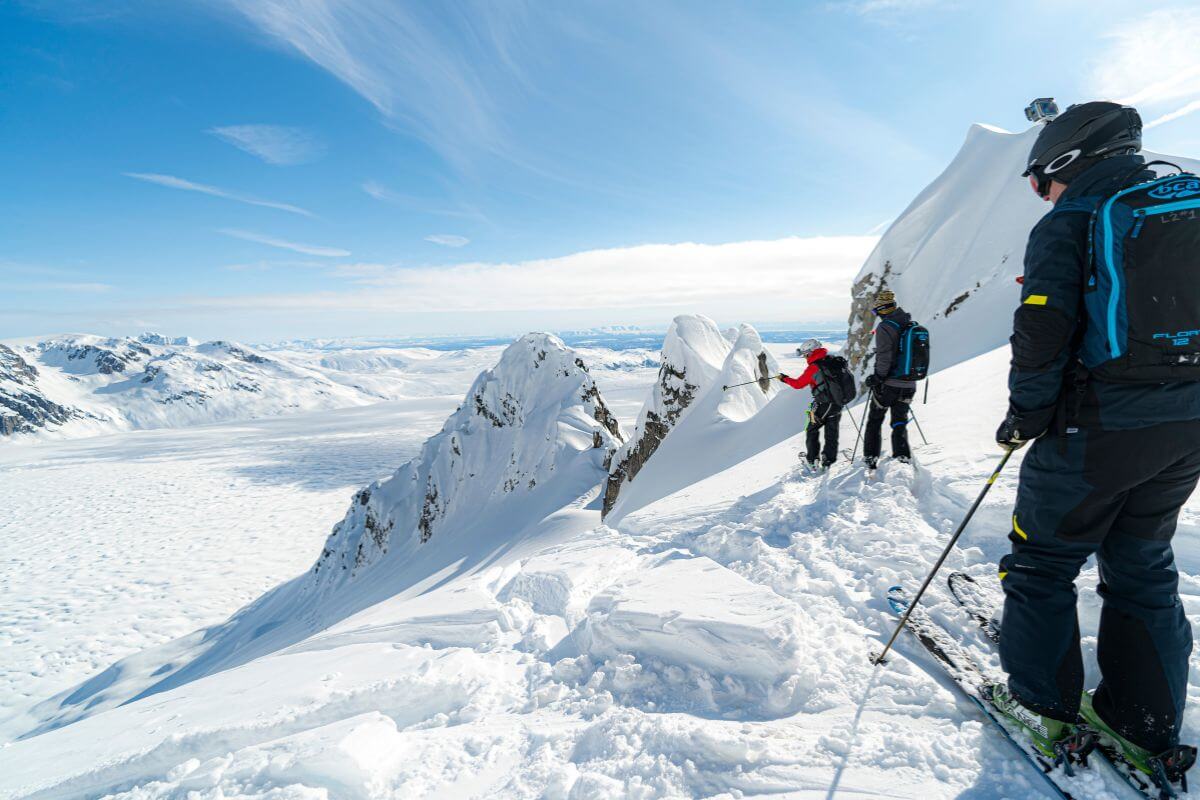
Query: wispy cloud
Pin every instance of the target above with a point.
(59, 286)
(172, 182)
(1151, 63)
(439, 73)
(448, 240)
(274, 144)
(874, 7)
(1190, 108)
(383, 193)
(269, 266)
(271, 241)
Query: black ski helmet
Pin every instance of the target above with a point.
(1079, 137)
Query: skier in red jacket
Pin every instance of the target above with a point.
(823, 412)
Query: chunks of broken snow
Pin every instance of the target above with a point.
(702, 626)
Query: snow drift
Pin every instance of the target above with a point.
(953, 256)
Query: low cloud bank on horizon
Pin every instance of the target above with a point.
(784, 280)
(802, 277)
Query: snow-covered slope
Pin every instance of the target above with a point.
(713, 643)
(523, 458)
(954, 254)
(698, 361)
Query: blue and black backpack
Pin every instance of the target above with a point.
(912, 356)
(1142, 297)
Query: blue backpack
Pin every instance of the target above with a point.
(1142, 298)
(912, 355)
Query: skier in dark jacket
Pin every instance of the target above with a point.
(1110, 468)
(888, 395)
(823, 412)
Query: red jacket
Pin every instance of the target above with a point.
(806, 379)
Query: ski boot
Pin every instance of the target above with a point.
(1062, 741)
(1167, 769)
(904, 459)
(872, 463)
(825, 465)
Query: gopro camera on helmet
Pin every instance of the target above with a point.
(1041, 109)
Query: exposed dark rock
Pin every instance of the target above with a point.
(15, 368)
(860, 350)
(26, 411)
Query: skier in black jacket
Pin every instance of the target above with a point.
(888, 394)
(1110, 468)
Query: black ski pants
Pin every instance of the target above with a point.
(1115, 495)
(826, 416)
(884, 400)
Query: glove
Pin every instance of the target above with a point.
(1014, 433)
(780, 376)
(874, 382)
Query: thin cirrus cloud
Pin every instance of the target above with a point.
(448, 240)
(442, 76)
(274, 144)
(172, 182)
(283, 244)
(61, 286)
(1150, 63)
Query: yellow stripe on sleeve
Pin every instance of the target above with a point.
(1017, 528)
(1036, 300)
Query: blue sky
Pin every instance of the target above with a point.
(262, 169)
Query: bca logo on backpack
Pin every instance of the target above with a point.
(1143, 297)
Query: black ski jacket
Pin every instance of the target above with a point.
(1044, 382)
(887, 346)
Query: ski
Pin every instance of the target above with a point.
(982, 604)
(971, 680)
(972, 596)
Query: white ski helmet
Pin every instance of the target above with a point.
(807, 347)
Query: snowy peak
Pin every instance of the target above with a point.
(532, 436)
(750, 365)
(697, 359)
(82, 384)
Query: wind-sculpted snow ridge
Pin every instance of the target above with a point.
(953, 256)
(698, 363)
(535, 420)
(696, 356)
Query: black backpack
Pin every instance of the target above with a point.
(912, 354)
(1143, 297)
(833, 382)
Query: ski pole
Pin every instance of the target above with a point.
(941, 559)
(866, 407)
(914, 416)
(734, 386)
(925, 401)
